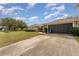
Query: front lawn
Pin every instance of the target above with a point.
(77, 38)
(11, 37)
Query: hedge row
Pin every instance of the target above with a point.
(74, 31)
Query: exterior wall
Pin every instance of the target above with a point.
(45, 28)
(76, 24)
(61, 28)
(3, 28)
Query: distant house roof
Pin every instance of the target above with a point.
(0, 21)
(62, 21)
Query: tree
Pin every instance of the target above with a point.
(20, 24)
(8, 22)
(13, 24)
(77, 5)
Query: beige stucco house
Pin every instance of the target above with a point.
(61, 25)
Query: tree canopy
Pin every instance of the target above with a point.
(77, 5)
(13, 24)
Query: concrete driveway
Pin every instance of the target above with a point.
(57, 45)
(44, 45)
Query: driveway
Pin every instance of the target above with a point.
(57, 45)
(44, 45)
(19, 48)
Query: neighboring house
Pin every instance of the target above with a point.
(35, 27)
(0, 25)
(61, 25)
(2, 28)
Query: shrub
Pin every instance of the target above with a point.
(74, 31)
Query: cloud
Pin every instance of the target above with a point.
(33, 17)
(54, 11)
(48, 16)
(9, 11)
(51, 15)
(53, 8)
(64, 16)
(30, 5)
(51, 5)
(19, 18)
(33, 20)
(4, 3)
(61, 8)
(1, 7)
(16, 8)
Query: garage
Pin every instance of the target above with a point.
(61, 25)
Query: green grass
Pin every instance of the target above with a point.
(12, 37)
(77, 38)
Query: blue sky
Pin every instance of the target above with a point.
(37, 13)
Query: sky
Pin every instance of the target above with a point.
(37, 13)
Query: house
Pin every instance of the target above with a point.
(2, 28)
(61, 25)
(35, 27)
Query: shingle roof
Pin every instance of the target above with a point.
(0, 21)
(62, 21)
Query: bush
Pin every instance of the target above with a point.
(74, 31)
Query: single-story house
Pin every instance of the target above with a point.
(2, 28)
(61, 25)
(35, 27)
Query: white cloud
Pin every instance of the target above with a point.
(4, 3)
(51, 15)
(30, 5)
(9, 11)
(16, 14)
(48, 16)
(16, 8)
(33, 20)
(33, 17)
(1, 7)
(19, 18)
(55, 10)
(64, 16)
(61, 8)
(51, 5)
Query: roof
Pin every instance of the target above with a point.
(0, 21)
(62, 21)
(35, 25)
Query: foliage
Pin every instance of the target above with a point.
(13, 24)
(77, 5)
(74, 31)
